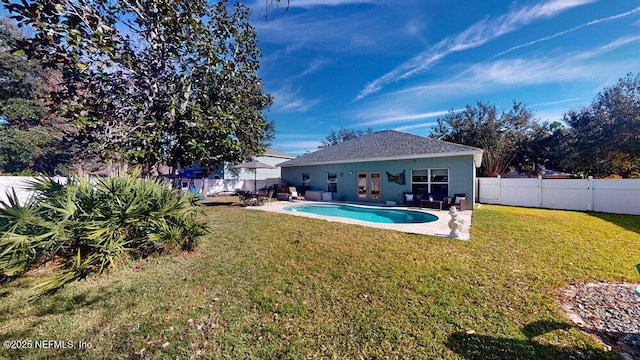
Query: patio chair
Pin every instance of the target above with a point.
(268, 197)
(459, 201)
(248, 199)
(294, 193)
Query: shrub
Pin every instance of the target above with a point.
(85, 228)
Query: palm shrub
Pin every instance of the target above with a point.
(87, 228)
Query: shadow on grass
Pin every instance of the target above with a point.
(474, 346)
(628, 222)
(220, 203)
(70, 305)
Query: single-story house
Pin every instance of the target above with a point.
(385, 166)
(270, 157)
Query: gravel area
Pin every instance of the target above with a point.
(609, 311)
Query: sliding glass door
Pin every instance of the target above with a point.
(369, 186)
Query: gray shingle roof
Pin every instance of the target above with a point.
(277, 153)
(381, 145)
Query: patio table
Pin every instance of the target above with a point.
(431, 204)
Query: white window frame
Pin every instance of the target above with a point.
(335, 181)
(429, 182)
(308, 178)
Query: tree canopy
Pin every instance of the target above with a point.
(503, 136)
(605, 135)
(30, 137)
(158, 82)
(343, 135)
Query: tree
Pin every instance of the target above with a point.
(605, 135)
(26, 150)
(550, 146)
(30, 137)
(170, 82)
(342, 135)
(503, 137)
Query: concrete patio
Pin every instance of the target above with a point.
(439, 227)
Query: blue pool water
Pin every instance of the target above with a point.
(377, 215)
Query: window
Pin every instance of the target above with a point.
(305, 179)
(434, 181)
(332, 182)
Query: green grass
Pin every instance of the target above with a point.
(267, 285)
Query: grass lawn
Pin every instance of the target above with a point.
(266, 285)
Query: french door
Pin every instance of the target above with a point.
(369, 186)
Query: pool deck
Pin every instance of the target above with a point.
(439, 227)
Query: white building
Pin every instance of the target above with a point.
(270, 157)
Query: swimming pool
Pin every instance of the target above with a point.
(370, 214)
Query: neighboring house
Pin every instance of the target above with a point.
(270, 157)
(382, 166)
(224, 179)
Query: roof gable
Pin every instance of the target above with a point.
(382, 145)
(277, 153)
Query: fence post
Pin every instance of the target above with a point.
(590, 193)
(499, 190)
(539, 191)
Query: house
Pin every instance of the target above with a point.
(383, 166)
(227, 179)
(270, 157)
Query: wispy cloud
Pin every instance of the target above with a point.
(314, 3)
(312, 67)
(558, 102)
(297, 147)
(306, 4)
(343, 34)
(395, 117)
(288, 100)
(476, 35)
(358, 30)
(590, 68)
(415, 126)
(561, 33)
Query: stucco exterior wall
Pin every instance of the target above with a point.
(461, 176)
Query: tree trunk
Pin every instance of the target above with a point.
(205, 183)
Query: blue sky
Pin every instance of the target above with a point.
(400, 64)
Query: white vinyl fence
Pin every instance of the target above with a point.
(612, 196)
(19, 184)
(216, 186)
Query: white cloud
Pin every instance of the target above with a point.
(260, 4)
(561, 33)
(591, 69)
(563, 101)
(296, 147)
(312, 67)
(314, 3)
(476, 35)
(415, 126)
(350, 33)
(288, 100)
(397, 117)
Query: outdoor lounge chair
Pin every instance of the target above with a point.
(459, 201)
(294, 193)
